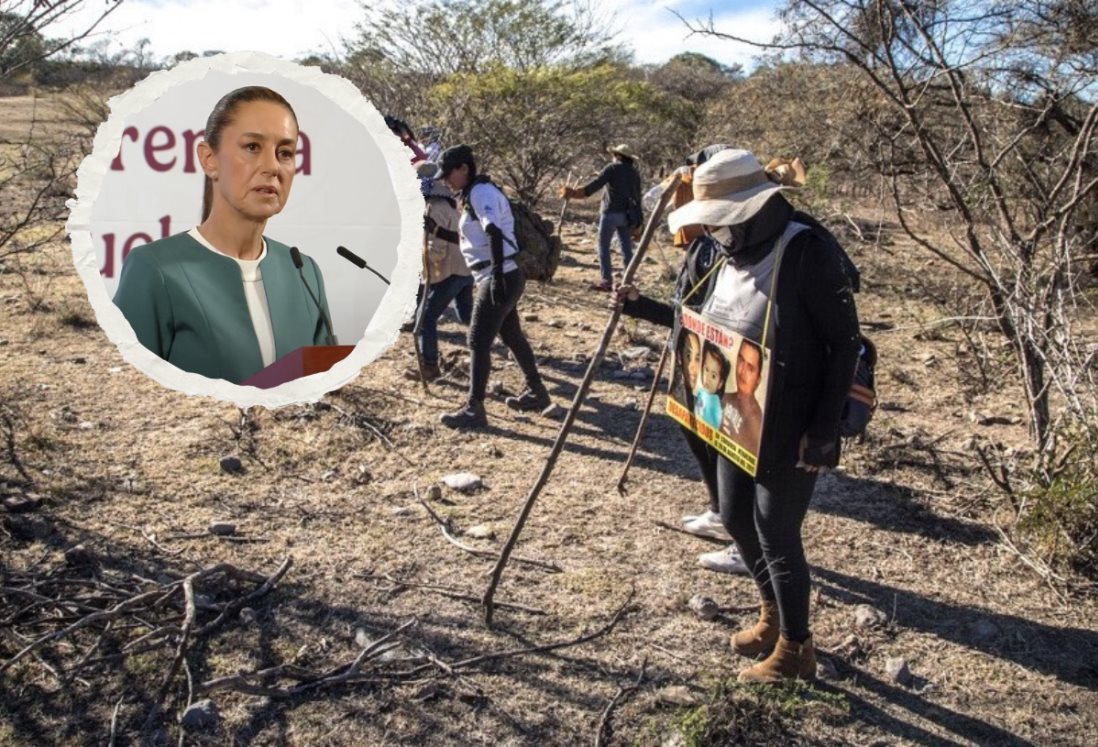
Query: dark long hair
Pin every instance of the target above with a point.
(222, 116)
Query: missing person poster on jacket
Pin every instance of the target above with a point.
(718, 388)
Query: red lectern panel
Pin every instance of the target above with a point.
(307, 360)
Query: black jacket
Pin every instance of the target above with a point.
(622, 182)
(816, 342)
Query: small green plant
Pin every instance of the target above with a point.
(1059, 514)
(736, 713)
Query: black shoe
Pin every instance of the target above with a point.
(470, 416)
(531, 399)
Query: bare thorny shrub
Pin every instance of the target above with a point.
(37, 169)
(986, 109)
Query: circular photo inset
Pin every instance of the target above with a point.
(247, 228)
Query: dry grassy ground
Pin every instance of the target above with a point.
(131, 471)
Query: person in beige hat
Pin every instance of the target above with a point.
(760, 260)
(621, 208)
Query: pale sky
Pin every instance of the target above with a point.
(297, 28)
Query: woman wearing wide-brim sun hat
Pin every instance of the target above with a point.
(621, 207)
(812, 341)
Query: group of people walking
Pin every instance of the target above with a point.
(744, 250)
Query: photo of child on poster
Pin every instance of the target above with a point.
(723, 404)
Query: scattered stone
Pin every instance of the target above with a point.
(222, 528)
(248, 616)
(929, 359)
(554, 323)
(232, 465)
(87, 425)
(983, 630)
(114, 369)
(496, 389)
(529, 317)
(642, 373)
(21, 504)
(868, 617)
(896, 668)
(201, 716)
(553, 411)
(826, 669)
(635, 354)
(631, 404)
(404, 510)
(677, 695)
(434, 493)
(362, 638)
(493, 450)
(481, 531)
(463, 482)
(970, 444)
(79, 555)
(203, 601)
(704, 607)
(78, 360)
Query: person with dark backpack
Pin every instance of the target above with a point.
(621, 208)
(763, 274)
(487, 240)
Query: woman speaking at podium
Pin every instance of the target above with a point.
(222, 300)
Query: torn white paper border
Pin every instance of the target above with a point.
(396, 303)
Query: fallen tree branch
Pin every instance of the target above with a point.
(603, 732)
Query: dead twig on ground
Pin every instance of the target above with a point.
(255, 683)
(604, 731)
(444, 527)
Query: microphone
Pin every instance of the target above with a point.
(295, 256)
(354, 259)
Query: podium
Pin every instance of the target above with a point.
(306, 360)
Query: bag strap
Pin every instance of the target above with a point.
(467, 204)
(773, 289)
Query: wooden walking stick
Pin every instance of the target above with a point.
(581, 393)
(564, 207)
(422, 308)
(644, 418)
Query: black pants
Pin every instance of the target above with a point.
(499, 318)
(706, 456)
(764, 516)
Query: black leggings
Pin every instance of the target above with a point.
(764, 517)
(499, 318)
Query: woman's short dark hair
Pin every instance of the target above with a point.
(222, 116)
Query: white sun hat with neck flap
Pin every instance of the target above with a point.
(731, 187)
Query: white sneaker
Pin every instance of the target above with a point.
(706, 525)
(727, 560)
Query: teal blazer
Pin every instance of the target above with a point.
(187, 305)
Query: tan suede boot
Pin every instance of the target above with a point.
(789, 660)
(759, 639)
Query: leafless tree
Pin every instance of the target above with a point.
(992, 118)
(37, 166)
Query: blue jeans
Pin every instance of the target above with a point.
(608, 224)
(457, 288)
